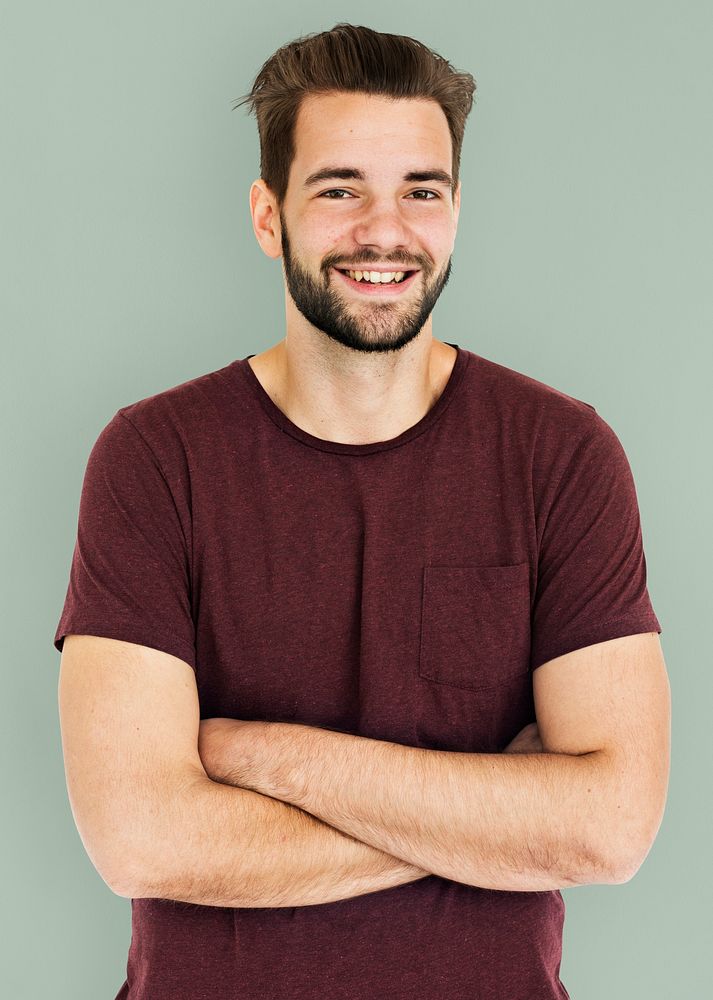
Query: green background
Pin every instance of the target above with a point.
(129, 265)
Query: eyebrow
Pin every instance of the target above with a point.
(351, 173)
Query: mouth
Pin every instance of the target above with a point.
(366, 287)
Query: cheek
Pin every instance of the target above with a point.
(442, 237)
(319, 239)
(434, 239)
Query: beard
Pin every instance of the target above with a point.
(369, 326)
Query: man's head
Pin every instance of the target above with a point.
(387, 116)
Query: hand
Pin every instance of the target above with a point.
(224, 747)
(527, 741)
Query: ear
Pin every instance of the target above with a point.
(456, 204)
(266, 218)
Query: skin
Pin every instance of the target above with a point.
(228, 745)
(355, 368)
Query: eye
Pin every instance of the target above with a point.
(431, 195)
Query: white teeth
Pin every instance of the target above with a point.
(377, 277)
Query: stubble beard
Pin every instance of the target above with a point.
(369, 326)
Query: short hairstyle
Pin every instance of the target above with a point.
(353, 58)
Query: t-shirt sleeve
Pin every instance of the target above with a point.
(591, 578)
(129, 577)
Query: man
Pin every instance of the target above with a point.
(361, 667)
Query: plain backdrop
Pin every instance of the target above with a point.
(129, 265)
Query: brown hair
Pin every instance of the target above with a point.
(349, 58)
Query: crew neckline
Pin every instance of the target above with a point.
(341, 448)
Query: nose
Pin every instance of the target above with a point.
(381, 224)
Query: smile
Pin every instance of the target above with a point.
(378, 288)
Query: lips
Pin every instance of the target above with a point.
(367, 288)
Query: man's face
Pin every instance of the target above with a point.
(381, 221)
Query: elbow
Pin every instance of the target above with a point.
(602, 861)
(624, 872)
(130, 865)
(630, 861)
(134, 845)
(123, 889)
(128, 874)
(141, 870)
(106, 863)
(141, 876)
(112, 857)
(623, 846)
(622, 862)
(153, 860)
(158, 843)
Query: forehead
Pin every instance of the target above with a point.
(361, 129)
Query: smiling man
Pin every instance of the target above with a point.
(378, 300)
(359, 665)
(364, 264)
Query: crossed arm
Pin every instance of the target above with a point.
(292, 857)
(497, 821)
(333, 815)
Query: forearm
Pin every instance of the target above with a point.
(499, 821)
(227, 846)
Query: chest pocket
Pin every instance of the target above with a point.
(475, 625)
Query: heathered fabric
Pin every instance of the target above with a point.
(402, 590)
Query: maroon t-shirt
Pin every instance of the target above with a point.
(402, 590)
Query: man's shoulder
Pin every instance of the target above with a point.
(517, 384)
(188, 404)
(548, 430)
(535, 406)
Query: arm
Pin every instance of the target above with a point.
(297, 859)
(517, 822)
(586, 810)
(154, 824)
(234, 847)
